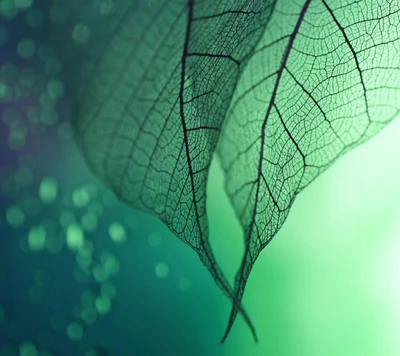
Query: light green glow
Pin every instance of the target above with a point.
(37, 238)
(74, 237)
(106, 7)
(55, 88)
(103, 304)
(110, 263)
(81, 33)
(80, 197)
(75, 331)
(323, 286)
(117, 233)
(27, 349)
(4, 90)
(162, 270)
(8, 9)
(15, 216)
(100, 274)
(48, 190)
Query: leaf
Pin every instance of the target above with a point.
(324, 78)
(153, 88)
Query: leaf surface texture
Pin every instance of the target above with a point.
(324, 78)
(154, 85)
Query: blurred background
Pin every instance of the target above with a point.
(82, 274)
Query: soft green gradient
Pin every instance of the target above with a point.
(296, 85)
(327, 285)
(150, 86)
(329, 282)
(322, 80)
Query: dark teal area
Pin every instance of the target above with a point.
(149, 315)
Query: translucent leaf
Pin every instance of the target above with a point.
(151, 85)
(324, 78)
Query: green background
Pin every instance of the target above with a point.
(328, 284)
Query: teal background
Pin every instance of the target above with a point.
(328, 284)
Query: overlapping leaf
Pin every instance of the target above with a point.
(154, 86)
(324, 78)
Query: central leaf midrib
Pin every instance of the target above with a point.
(239, 279)
(270, 106)
(185, 51)
(212, 267)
